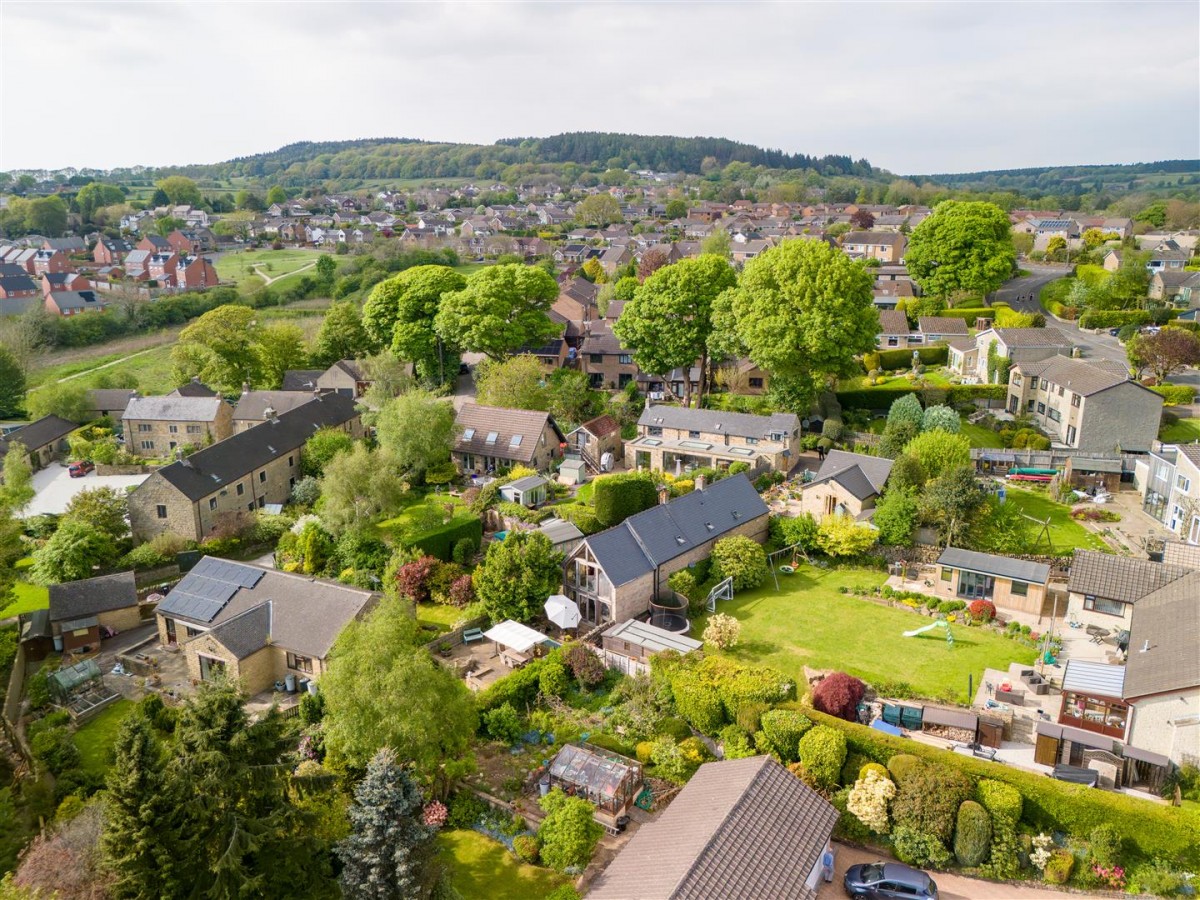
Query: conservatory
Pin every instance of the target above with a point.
(608, 780)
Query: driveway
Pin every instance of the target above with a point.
(1022, 293)
(950, 886)
(55, 487)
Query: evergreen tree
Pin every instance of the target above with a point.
(389, 850)
(137, 839)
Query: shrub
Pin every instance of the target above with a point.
(462, 592)
(617, 497)
(464, 549)
(526, 848)
(553, 681)
(784, 728)
(669, 760)
(949, 606)
(742, 559)
(848, 826)
(675, 727)
(1175, 394)
(1105, 845)
(1002, 800)
(569, 833)
(839, 695)
(903, 766)
(56, 748)
(312, 708)
(585, 666)
(698, 702)
(1113, 318)
(412, 579)
(749, 717)
(918, 848)
(736, 743)
(972, 834)
(906, 409)
(982, 610)
(1158, 878)
(929, 798)
(722, 631)
(823, 751)
(869, 798)
(503, 723)
(1058, 868)
(941, 418)
(440, 541)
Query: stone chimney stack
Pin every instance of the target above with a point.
(699, 482)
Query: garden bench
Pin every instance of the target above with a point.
(988, 753)
(471, 635)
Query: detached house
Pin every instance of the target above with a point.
(195, 273)
(157, 426)
(72, 303)
(969, 358)
(894, 333)
(238, 475)
(885, 246)
(941, 328)
(675, 439)
(492, 437)
(615, 575)
(847, 484)
(256, 625)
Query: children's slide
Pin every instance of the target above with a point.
(940, 623)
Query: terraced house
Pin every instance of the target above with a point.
(235, 476)
(157, 426)
(675, 439)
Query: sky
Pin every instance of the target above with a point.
(916, 88)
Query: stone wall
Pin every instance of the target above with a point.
(140, 469)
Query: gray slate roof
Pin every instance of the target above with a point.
(1119, 577)
(1169, 621)
(942, 325)
(742, 829)
(109, 398)
(655, 536)
(173, 409)
(301, 379)
(247, 632)
(76, 599)
(893, 321)
(863, 476)
(194, 388)
(253, 405)
(89, 299)
(226, 461)
(1082, 377)
(1031, 337)
(714, 421)
(36, 435)
(998, 566)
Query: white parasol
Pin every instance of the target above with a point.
(562, 611)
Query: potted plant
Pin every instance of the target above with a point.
(443, 648)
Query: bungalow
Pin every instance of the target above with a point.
(44, 440)
(1103, 590)
(256, 625)
(1011, 584)
(82, 612)
(847, 484)
(72, 303)
(941, 328)
(887, 294)
(238, 475)
(894, 332)
(741, 829)
(616, 575)
(157, 426)
(492, 437)
(676, 438)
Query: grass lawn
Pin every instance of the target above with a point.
(979, 436)
(238, 266)
(440, 615)
(1065, 532)
(152, 370)
(1185, 431)
(808, 623)
(26, 598)
(95, 738)
(481, 869)
(417, 506)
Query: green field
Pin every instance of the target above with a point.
(481, 869)
(25, 597)
(151, 369)
(1185, 431)
(809, 623)
(1065, 533)
(240, 265)
(95, 738)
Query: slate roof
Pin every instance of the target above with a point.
(17, 283)
(741, 829)
(889, 238)
(306, 613)
(1082, 377)
(1169, 621)
(226, 461)
(109, 398)
(1031, 337)
(655, 536)
(863, 476)
(893, 321)
(252, 405)
(1119, 577)
(601, 339)
(194, 388)
(36, 435)
(173, 409)
(301, 379)
(91, 596)
(65, 300)
(714, 421)
(999, 566)
(507, 425)
(247, 632)
(942, 325)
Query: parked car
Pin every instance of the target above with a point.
(81, 468)
(889, 881)
(1113, 332)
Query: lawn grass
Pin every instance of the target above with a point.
(153, 371)
(415, 506)
(95, 737)
(440, 615)
(1065, 533)
(26, 598)
(809, 623)
(1185, 431)
(238, 266)
(482, 869)
(981, 436)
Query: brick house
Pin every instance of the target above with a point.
(1011, 584)
(157, 426)
(194, 273)
(72, 303)
(44, 440)
(1086, 405)
(162, 266)
(847, 484)
(50, 261)
(185, 243)
(136, 264)
(885, 246)
(236, 476)
(81, 611)
(614, 575)
(256, 625)
(674, 439)
(606, 363)
(110, 251)
(492, 437)
(16, 287)
(154, 243)
(63, 281)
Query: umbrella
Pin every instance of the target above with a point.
(562, 611)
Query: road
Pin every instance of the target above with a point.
(1022, 293)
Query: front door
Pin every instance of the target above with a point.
(1045, 751)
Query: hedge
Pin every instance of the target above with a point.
(618, 497)
(1175, 394)
(440, 541)
(1113, 318)
(969, 314)
(883, 396)
(1154, 830)
(891, 360)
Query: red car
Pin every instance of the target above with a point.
(79, 469)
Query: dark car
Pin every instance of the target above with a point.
(79, 469)
(1113, 332)
(889, 881)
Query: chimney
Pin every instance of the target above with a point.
(195, 379)
(245, 388)
(699, 482)
(269, 414)
(664, 495)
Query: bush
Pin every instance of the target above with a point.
(464, 549)
(585, 666)
(503, 724)
(972, 834)
(722, 631)
(1113, 318)
(929, 798)
(554, 681)
(742, 559)
(869, 798)
(949, 606)
(1175, 394)
(440, 541)
(906, 409)
(903, 766)
(749, 717)
(526, 848)
(892, 360)
(839, 695)
(465, 810)
(1105, 845)
(1058, 869)
(822, 752)
(644, 751)
(918, 848)
(982, 610)
(735, 743)
(784, 728)
(56, 748)
(675, 727)
(1002, 800)
(1158, 878)
(617, 497)
(312, 708)
(698, 703)
(941, 418)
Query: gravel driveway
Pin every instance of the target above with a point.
(55, 487)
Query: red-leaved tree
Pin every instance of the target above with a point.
(412, 579)
(982, 610)
(839, 695)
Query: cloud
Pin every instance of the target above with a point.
(913, 87)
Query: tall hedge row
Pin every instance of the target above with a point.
(1113, 318)
(620, 496)
(882, 396)
(440, 541)
(890, 360)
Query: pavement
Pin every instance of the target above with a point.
(54, 487)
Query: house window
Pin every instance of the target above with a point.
(1033, 382)
(161, 511)
(1103, 605)
(212, 503)
(1041, 408)
(1075, 399)
(262, 477)
(596, 380)
(947, 574)
(893, 342)
(143, 427)
(623, 379)
(300, 663)
(1019, 589)
(751, 441)
(291, 462)
(1016, 380)
(1070, 434)
(174, 429)
(693, 434)
(1060, 390)
(654, 431)
(1055, 415)
(193, 429)
(625, 359)
(1183, 483)
(147, 445)
(241, 489)
(596, 358)
(756, 382)
(250, 506)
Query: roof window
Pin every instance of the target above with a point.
(468, 434)
(491, 438)
(515, 440)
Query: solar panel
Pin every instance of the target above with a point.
(208, 587)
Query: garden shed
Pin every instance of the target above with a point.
(608, 780)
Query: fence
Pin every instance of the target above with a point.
(12, 705)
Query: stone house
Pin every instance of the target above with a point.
(1104, 590)
(256, 625)
(345, 377)
(616, 574)
(236, 476)
(157, 426)
(255, 407)
(44, 440)
(1087, 406)
(606, 363)
(847, 484)
(109, 402)
(1011, 584)
(594, 438)
(676, 439)
(1018, 345)
(492, 437)
(82, 612)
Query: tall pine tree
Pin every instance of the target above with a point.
(389, 851)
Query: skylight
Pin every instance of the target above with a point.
(468, 434)
(741, 451)
(651, 442)
(515, 441)
(491, 438)
(695, 445)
